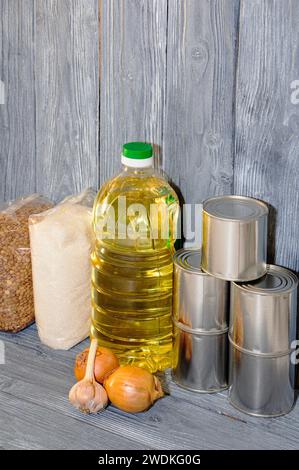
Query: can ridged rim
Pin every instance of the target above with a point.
(230, 279)
(288, 282)
(180, 260)
(200, 332)
(256, 203)
(248, 352)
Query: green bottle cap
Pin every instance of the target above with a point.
(137, 150)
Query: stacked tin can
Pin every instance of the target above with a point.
(263, 310)
(201, 325)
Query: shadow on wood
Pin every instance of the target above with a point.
(271, 233)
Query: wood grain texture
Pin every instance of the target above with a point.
(133, 74)
(167, 76)
(34, 409)
(267, 137)
(199, 117)
(67, 97)
(17, 115)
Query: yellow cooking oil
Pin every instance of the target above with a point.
(135, 220)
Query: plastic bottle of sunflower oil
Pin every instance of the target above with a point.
(135, 221)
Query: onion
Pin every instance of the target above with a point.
(133, 389)
(105, 363)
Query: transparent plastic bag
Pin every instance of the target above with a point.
(16, 293)
(61, 244)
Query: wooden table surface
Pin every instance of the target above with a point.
(35, 412)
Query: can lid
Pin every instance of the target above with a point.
(189, 260)
(277, 280)
(238, 208)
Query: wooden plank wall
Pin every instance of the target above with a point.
(67, 97)
(267, 123)
(49, 122)
(207, 81)
(199, 119)
(17, 114)
(133, 77)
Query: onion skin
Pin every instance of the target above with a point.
(133, 389)
(106, 362)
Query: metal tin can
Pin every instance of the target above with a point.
(200, 310)
(200, 360)
(262, 327)
(260, 385)
(200, 300)
(264, 312)
(234, 238)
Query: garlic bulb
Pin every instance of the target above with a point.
(133, 389)
(87, 395)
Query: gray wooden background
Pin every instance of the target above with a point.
(207, 81)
